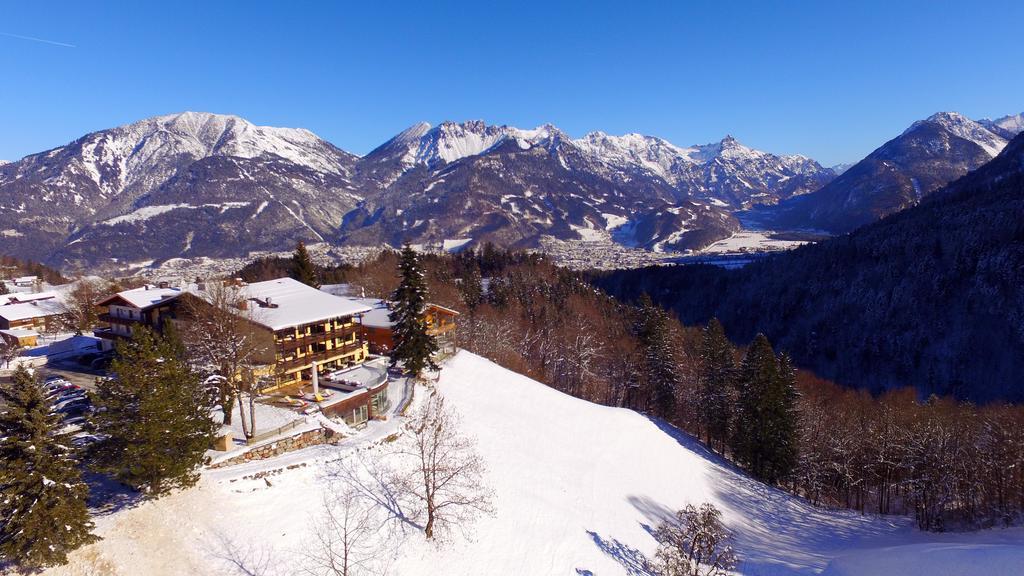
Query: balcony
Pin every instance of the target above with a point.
(289, 343)
(321, 356)
(107, 334)
(111, 319)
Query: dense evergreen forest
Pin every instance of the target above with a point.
(932, 297)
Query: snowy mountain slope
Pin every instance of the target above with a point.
(577, 487)
(926, 156)
(724, 172)
(1007, 126)
(511, 187)
(194, 158)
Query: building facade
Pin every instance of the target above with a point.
(378, 329)
(151, 306)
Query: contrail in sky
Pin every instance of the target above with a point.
(43, 40)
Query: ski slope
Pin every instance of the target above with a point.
(578, 489)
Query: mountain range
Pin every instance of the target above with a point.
(199, 184)
(929, 297)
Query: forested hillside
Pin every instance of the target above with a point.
(931, 297)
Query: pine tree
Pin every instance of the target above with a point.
(757, 373)
(785, 435)
(660, 365)
(3, 288)
(155, 414)
(764, 440)
(717, 384)
(413, 345)
(471, 288)
(303, 269)
(43, 513)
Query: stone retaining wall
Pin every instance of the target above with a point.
(272, 449)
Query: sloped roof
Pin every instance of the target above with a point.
(292, 303)
(36, 309)
(144, 297)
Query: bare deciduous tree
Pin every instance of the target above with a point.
(223, 338)
(448, 471)
(695, 544)
(348, 534)
(83, 313)
(8, 352)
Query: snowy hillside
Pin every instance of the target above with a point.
(965, 128)
(577, 489)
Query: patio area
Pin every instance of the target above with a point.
(332, 387)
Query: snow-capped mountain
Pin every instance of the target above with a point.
(513, 186)
(199, 184)
(725, 172)
(1007, 126)
(925, 157)
(183, 184)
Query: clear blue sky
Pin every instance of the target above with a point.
(832, 80)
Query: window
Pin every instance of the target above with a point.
(380, 402)
(358, 415)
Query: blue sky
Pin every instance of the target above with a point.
(827, 79)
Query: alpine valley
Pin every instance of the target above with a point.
(198, 184)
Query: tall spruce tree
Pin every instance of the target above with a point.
(717, 373)
(414, 347)
(660, 366)
(43, 513)
(764, 436)
(785, 419)
(155, 414)
(303, 268)
(471, 287)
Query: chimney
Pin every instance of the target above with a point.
(243, 304)
(164, 284)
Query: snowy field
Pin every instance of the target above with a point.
(577, 490)
(750, 241)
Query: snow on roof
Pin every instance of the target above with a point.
(17, 297)
(378, 315)
(36, 309)
(19, 333)
(292, 303)
(146, 296)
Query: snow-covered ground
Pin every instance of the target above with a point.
(577, 490)
(750, 241)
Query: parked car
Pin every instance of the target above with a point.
(72, 425)
(70, 404)
(54, 378)
(63, 391)
(69, 395)
(54, 387)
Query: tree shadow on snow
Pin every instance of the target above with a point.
(775, 532)
(108, 496)
(633, 560)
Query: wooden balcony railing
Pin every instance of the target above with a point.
(321, 356)
(112, 319)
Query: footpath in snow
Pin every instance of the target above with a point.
(578, 489)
